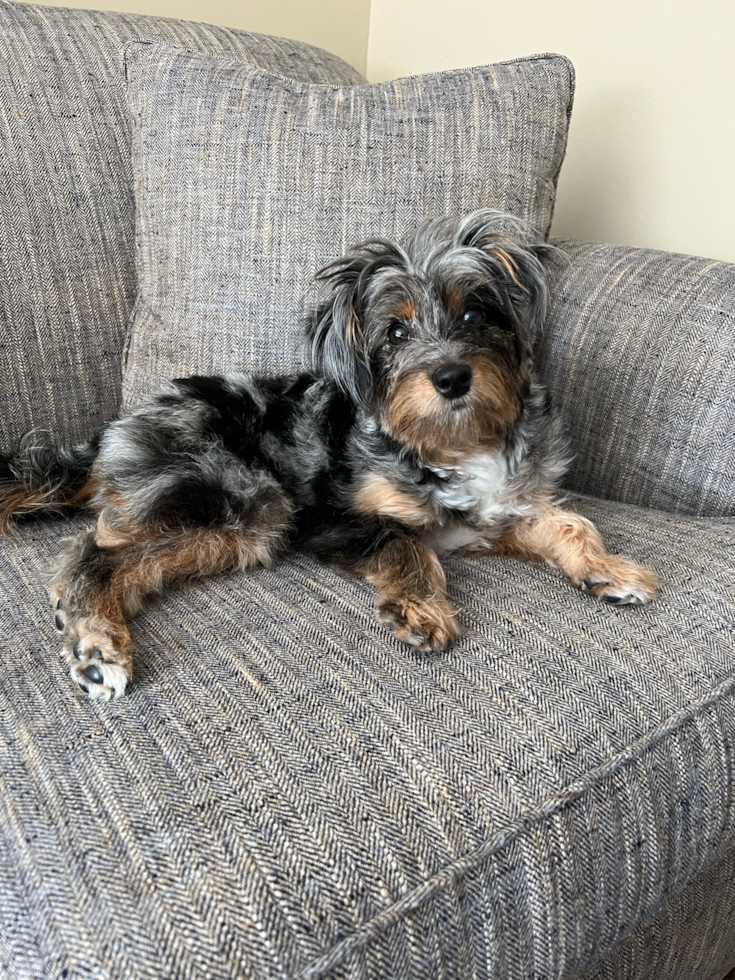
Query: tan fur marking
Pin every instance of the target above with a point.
(494, 390)
(116, 529)
(412, 594)
(355, 337)
(419, 416)
(572, 543)
(84, 494)
(405, 310)
(109, 537)
(378, 496)
(146, 566)
(413, 398)
(188, 554)
(182, 554)
(415, 414)
(19, 500)
(508, 264)
(24, 499)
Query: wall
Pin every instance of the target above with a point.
(340, 26)
(651, 155)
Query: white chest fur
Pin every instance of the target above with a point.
(482, 489)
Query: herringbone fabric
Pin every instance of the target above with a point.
(639, 353)
(246, 184)
(691, 939)
(67, 277)
(289, 792)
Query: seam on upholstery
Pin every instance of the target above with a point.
(468, 862)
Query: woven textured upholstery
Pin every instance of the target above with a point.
(246, 184)
(288, 792)
(639, 352)
(691, 939)
(67, 279)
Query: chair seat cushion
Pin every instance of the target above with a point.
(287, 791)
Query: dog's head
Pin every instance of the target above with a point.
(434, 339)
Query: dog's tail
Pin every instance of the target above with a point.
(41, 476)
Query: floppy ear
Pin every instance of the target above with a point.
(515, 259)
(336, 330)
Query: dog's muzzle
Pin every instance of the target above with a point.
(453, 380)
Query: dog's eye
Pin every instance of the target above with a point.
(475, 316)
(398, 333)
(472, 316)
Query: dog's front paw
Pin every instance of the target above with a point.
(620, 582)
(424, 625)
(99, 663)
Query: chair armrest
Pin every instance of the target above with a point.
(638, 351)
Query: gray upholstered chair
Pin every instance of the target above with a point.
(285, 791)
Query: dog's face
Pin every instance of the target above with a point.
(434, 340)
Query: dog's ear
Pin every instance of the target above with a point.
(517, 261)
(337, 330)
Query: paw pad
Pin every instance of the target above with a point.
(97, 666)
(93, 674)
(100, 678)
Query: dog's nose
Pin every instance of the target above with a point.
(453, 380)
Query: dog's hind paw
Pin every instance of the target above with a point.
(97, 650)
(100, 679)
(96, 664)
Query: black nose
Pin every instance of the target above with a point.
(453, 380)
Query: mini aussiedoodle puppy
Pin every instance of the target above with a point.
(422, 430)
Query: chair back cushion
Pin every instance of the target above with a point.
(247, 183)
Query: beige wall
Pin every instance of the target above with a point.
(651, 155)
(340, 26)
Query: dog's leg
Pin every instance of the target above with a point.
(411, 593)
(571, 542)
(103, 577)
(89, 611)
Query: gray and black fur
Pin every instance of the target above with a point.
(422, 428)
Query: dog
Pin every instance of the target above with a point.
(422, 430)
